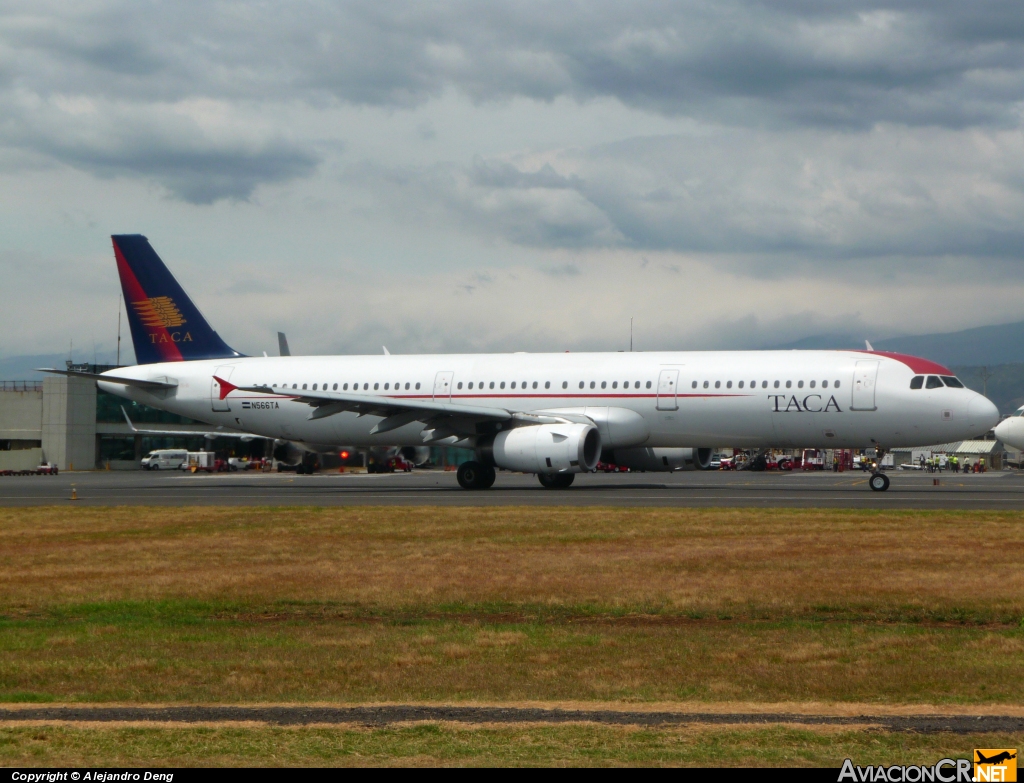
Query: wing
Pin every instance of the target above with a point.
(245, 436)
(442, 419)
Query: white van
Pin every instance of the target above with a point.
(165, 459)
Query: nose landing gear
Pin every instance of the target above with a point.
(879, 482)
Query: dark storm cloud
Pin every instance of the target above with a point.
(736, 63)
(843, 63)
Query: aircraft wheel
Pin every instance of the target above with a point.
(487, 480)
(556, 480)
(474, 475)
(879, 482)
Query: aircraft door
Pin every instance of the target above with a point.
(443, 386)
(864, 377)
(668, 382)
(216, 403)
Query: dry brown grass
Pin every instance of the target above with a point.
(719, 562)
(504, 604)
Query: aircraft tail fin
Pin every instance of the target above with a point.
(166, 326)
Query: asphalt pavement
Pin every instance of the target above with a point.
(994, 490)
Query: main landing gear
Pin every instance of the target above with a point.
(879, 482)
(475, 475)
(556, 480)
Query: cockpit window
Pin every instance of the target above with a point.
(917, 382)
(933, 382)
(952, 382)
(1020, 412)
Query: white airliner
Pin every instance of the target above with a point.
(1011, 430)
(553, 414)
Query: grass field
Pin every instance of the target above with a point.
(503, 605)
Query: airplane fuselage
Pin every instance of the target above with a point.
(748, 399)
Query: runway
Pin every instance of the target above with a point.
(990, 491)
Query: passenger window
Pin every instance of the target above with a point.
(592, 384)
(345, 387)
(836, 384)
(917, 382)
(535, 384)
(799, 384)
(376, 386)
(952, 382)
(471, 384)
(706, 384)
(314, 387)
(728, 385)
(615, 384)
(933, 382)
(503, 384)
(648, 384)
(637, 385)
(812, 384)
(386, 386)
(460, 384)
(764, 384)
(547, 384)
(776, 384)
(303, 386)
(513, 385)
(523, 386)
(741, 384)
(824, 384)
(565, 384)
(417, 386)
(604, 384)
(492, 384)
(407, 386)
(718, 384)
(789, 384)
(693, 385)
(581, 384)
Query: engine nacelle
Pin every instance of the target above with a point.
(548, 448)
(660, 460)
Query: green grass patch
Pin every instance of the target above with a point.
(422, 745)
(208, 653)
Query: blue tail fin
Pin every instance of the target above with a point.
(166, 326)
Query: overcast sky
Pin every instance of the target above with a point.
(514, 176)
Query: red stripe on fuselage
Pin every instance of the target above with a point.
(134, 293)
(915, 363)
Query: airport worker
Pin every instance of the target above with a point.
(981, 464)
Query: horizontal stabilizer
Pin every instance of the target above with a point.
(162, 383)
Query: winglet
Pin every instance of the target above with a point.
(867, 345)
(130, 425)
(386, 351)
(225, 387)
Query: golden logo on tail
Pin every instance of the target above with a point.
(159, 311)
(995, 764)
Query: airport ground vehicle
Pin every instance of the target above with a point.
(165, 459)
(196, 461)
(41, 470)
(554, 415)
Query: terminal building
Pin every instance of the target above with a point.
(72, 424)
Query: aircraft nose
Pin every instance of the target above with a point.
(982, 413)
(1002, 428)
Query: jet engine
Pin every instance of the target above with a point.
(547, 448)
(660, 460)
